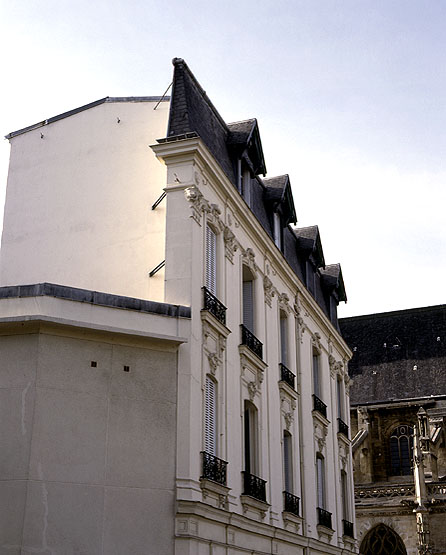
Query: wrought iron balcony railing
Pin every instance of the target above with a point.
(342, 427)
(214, 468)
(254, 486)
(323, 517)
(348, 528)
(291, 503)
(214, 306)
(286, 375)
(320, 406)
(251, 341)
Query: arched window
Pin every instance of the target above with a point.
(401, 450)
(382, 540)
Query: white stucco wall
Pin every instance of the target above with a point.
(78, 202)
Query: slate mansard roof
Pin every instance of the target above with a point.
(193, 114)
(397, 355)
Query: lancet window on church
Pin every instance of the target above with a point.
(401, 451)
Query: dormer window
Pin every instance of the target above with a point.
(246, 186)
(277, 230)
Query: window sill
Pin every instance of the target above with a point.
(215, 323)
(324, 533)
(288, 390)
(214, 494)
(254, 508)
(292, 522)
(320, 418)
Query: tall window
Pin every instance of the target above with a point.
(340, 398)
(283, 339)
(210, 417)
(248, 299)
(320, 481)
(277, 229)
(288, 461)
(344, 493)
(317, 389)
(211, 261)
(401, 450)
(251, 438)
(246, 186)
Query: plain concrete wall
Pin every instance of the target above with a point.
(87, 458)
(78, 202)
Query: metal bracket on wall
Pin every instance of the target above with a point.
(157, 268)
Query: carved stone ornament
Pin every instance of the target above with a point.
(347, 383)
(248, 259)
(194, 196)
(230, 244)
(214, 361)
(252, 390)
(283, 302)
(332, 364)
(269, 290)
(316, 338)
(288, 417)
(213, 216)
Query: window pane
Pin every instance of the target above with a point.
(287, 462)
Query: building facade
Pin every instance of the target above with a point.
(160, 201)
(398, 411)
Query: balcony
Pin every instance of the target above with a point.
(347, 528)
(320, 406)
(323, 517)
(389, 490)
(342, 428)
(214, 468)
(291, 503)
(214, 306)
(251, 341)
(254, 486)
(286, 375)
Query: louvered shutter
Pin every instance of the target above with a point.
(248, 305)
(210, 418)
(287, 462)
(211, 261)
(283, 341)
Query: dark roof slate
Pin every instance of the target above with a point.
(397, 355)
(192, 112)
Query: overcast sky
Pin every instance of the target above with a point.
(349, 95)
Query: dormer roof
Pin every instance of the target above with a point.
(332, 280)
(309, 243)
(278, 193)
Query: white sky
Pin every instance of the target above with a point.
(350, 98)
